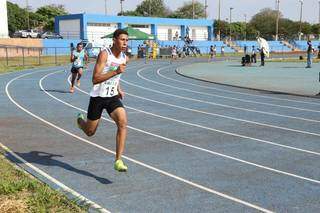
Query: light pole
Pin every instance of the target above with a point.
(121, 10)
(27, 9)
(245, 27)
(193, 12)
(231, 8)
(319, 11)
(300, 27)
(105, 7)
(205, 8)
(277, 22)
(219, 17)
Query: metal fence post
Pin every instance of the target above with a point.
(39, 56)
(55, 55)
(22, 56)
(7, 58)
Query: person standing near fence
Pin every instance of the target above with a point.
(309, 54)
(78, 57)
(262, 55)
(253, 55)
(222, 51)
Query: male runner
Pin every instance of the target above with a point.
(106, 93)
(77, 58)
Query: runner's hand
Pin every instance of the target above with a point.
(121, 68)
(121, 94)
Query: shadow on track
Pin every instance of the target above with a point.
(44, 158)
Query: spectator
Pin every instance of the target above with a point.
(262, 55)
(222, 51)
(309, 54)
(253, 55)
(176, 35)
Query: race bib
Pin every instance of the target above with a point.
(110, 86)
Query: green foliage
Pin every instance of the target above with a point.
(186, 11)
(42, 18)
(16, 17)
(265, 22)
(49, 12)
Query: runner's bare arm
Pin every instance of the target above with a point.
(98, 76)
(71, 57)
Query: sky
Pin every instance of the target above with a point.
(289, 8)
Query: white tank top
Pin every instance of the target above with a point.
(109, 88)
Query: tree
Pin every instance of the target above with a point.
(316, 30)
(265, 22)
(49, 12)
(153, 8)
(16, 17)
(186, 11)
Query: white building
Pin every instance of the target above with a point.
(93, 27)
(4, 33)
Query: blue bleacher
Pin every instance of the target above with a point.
(275, 46)
(302, 45)
(204, 46)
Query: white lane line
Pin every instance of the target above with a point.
(222, 105)
(224, 116)
(184, 144)
(42, 173)
(224, 97)
(131, 159)
(65, 189)
(217, 130)
(235, 92)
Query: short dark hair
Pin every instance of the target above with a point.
(80, 43)
(119, 32)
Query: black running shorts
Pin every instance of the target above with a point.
(97, 104)
(75, 69)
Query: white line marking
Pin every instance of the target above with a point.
(222, 105)
(216, 130)
(224, 116)
(181, 143)
(65, 189)
(135, 161)
(241, 93)
(224, 97)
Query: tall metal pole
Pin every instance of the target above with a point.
(219, 17)
(319, 11)
(231, 8)
(27, 9)
(193, 12)
(121, 7)
(277, 22)
(300, 27)
(245, 27)
(205, 8)
(105, 7)
(149, 8)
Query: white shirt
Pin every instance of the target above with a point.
(109, 88)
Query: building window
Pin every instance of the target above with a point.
(99, 24)
(138, 26)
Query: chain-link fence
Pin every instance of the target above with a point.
(30, 56)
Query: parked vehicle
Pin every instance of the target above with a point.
(51, 35)
(26, 34)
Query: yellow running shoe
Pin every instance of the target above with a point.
(79, 116)
(119, 166)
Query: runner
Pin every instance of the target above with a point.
(174, 53)
(106, 94)
(77, 58)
